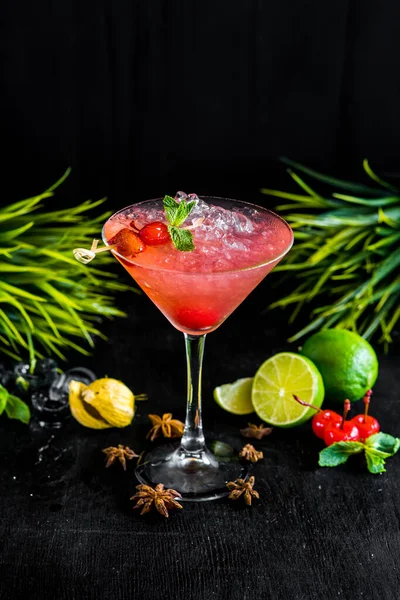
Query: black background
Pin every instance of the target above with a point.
(143, 98)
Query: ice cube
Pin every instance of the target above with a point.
(180, 196)
(6, 376)
(47, 411)
(234, 243)
(60, 386)
(51, 407)
(44, 373)
(241, 223)
(200, 211)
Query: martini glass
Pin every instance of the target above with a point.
(236, 245)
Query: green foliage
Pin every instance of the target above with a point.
(14, 407)
(49, 302)
(344, 265)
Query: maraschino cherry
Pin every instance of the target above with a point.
(366, 425)
(154, 234)
(321, 419)
(345, 431)
(197, 318)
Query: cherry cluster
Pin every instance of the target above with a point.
(332, 427)
(129, 242)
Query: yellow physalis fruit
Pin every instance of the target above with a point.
(80, 410)
(102, 404)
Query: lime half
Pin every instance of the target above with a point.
(277, 380)
(235, 397)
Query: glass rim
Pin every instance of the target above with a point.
(200, 272)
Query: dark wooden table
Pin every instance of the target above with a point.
(68, 531)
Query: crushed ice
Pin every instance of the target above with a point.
(218, 223)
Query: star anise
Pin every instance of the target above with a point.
(166, 426)
(248, 452)
(121, 453)
(240, 487)
(256, 432)
(162, 499)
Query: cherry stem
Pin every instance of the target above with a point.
(306, 403)
(345, 411)
(367, 400)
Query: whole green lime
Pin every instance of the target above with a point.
(348, 363)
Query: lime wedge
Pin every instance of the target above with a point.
(235, 397)
(277, 380)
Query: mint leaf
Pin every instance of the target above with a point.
(171, 207)
(383, 443)
(378, 447)
(379, 453)
(184, 210)
(177, 213)
(338, 453)
(375, 464)
(3, 398)
(16, 409)
(181, 238)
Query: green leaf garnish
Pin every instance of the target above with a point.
(17, 409)
(171, 208)
(183, 212)
(177, 213)
(181, 238)
(338, 453)
(383, 442)
(375, 464)
(377, 448)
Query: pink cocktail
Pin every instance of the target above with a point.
(236, 246)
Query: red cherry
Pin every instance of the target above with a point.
(347, 432)
(322, 419)
(154, 234)
(366, 425)
(127, 243)
(196, 318)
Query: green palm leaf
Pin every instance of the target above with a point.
(49, 302)
(344, 265)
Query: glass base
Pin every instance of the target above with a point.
(198, 476)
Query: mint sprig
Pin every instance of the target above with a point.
(338, 453)
(14, 407)
(181, 238)
(177, 213)
(377, 448)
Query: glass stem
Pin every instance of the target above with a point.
(193, 437)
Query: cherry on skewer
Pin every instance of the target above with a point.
(345, 431)
(321, 419)
(366, 424)
(154, 234)
(127, 242)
